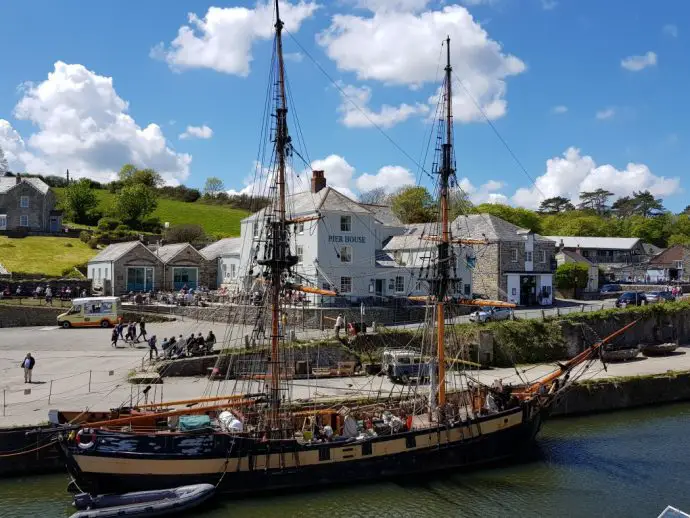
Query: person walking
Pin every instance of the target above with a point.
(339, 324)
(114, 337)
(283, 321)
(28, 366)
(142, 329)
(152, 347)
(120, 329)
(49, 296)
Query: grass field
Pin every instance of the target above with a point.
(216, 220)
(47, 255)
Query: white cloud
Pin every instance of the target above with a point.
(670, 30)
(363, 45)
(201, 132)
(361, 116)
(223, 39)
(83, 126)
(573, 173)
(605, 114)
(548, 5)
(485, 193)
(637, 63)
(296, 57)
(559, 110)
(338, 173)
(389, 177)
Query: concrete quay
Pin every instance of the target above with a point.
(78, 369)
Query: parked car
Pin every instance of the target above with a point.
(610, 289)
(660, 296)
(401, 365)
(631, 298)
(490, 313)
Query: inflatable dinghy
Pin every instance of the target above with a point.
(142, 503)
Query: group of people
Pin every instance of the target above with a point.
(174, 348)
(130, 337)
(40, 292)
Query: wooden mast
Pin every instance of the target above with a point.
(279, 241)
(444, 245)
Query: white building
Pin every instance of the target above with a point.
(227, 253)
(348, 246)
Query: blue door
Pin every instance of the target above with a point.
(54, 224)
(139, 278)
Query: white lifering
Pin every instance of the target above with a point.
(86, 434)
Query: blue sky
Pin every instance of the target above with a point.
(579, 89)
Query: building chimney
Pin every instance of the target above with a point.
(18, 178)
(561, 246)
(318, 181)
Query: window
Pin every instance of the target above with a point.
(366, 448)
(467, 289)
(233, 271)
(528, 257)
(325, 453)
(399, 284)
(346, 223)
(300, 228)
(398, 256)
(391, 284)
(24, 221)
(105, 273)
(542, 256)
(256, 229)
(224, 270)
(345, 254)
(24, 202)
(679, 265)
(300, 254)
(75, 310)
(514, 255)
(99, 274)
(3, 222)
(345, 284)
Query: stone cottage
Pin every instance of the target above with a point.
(28, 204)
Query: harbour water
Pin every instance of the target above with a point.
(625, 464)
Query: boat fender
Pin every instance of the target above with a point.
(86, 438)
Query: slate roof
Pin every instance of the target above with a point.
(490, 227)
(411, 239)
(602, 243)
(306, 202)
(227, 246)
(8, 182)
(670, 256)
(575, 256)
(167, 252)
(115, 251)
(384, 214)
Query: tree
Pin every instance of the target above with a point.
(459, 203)
(521, 217)
(413, 205)
(555, 205)
(130, 175)
(79, 200)
(213, 186)
(4, 166)
(377, 196)
(134, 203)
(186, 233)
(624, 206)
(646, 204)
(571, 276)
(595, 200)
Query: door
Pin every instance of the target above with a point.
(54, 224)
(379, 287)
(528, 290)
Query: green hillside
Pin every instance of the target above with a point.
(46, 255)
(216, 220)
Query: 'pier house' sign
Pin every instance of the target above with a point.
(347, 239)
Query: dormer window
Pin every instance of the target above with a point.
(514, 255)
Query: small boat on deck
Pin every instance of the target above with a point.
(659, 349)
(162, 502)
(619, 355)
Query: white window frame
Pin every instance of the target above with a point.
(347, 219)
(3, 222)
(348, 252)
(299, 252)
(343, 282)
(542, 256)
(513, 255)
(399, 279)
(23, 202)
(300, 228)
(528, 256)
(233, 270)
(679, 265)
(24, 220)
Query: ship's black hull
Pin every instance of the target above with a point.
(460, 455)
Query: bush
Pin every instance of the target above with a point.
(189, 233)
(84, 236)
(152, 224)
(108, 224)
(93, 243)
(571, 276)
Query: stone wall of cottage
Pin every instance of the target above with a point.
(188, 257)
(138, 256)
(38, 211)
(485, 276)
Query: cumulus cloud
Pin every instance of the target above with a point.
(389, 177)
(559, 110)
(637, 63)
(83, 125)
(201, 132)
(572, 173)
(485, 193)
(607, 113)
(359, 115)
(670, 30)
(338, 173)
(393, 5)
(363, 45)
(222, 40)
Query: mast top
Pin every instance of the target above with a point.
(279, 22)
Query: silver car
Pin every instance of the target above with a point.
(490, 313)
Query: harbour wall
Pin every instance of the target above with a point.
(12, 315)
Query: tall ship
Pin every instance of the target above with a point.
(259, 437)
